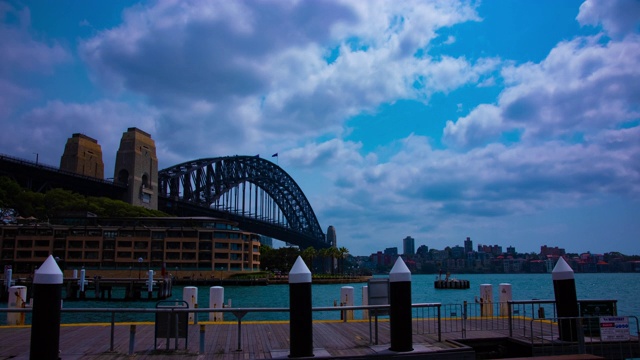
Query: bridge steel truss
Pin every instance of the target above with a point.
(254, 192)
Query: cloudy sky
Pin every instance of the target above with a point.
(511, 122)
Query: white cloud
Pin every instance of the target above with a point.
(22, 55)
(484, 124)
(19, 51)
(52, 124)
(581, 86)
(617, 17)
(259, 71)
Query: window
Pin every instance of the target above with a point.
(141, 244)
(42, 243)
(124, 244)
(221, 235)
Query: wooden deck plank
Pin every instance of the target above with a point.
(259, 340)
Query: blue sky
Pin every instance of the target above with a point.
(511, 122)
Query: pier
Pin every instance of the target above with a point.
(438, 333)
(103, 288)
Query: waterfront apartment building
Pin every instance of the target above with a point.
(196, 243)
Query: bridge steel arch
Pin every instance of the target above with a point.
(256, 193)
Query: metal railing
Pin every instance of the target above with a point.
(582, 335)
(238, 313)
(523, 318)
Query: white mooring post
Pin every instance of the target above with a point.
(365, 301)
(190, 295)
(346, 299)
(216, 301)
(486, 300)
(17, 300)
(505, 297)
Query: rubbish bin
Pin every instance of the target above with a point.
(591, 310)
(172, 324)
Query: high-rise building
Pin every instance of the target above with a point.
(83, 155)
(468, 245)
(408, 246)
(331, 236)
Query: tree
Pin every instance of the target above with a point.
(323, 254)
(333, 253)
(342, 253)
(19, 201)
(308, 254)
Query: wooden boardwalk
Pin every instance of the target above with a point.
(260, 340)
(270, 340)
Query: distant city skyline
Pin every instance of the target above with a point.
(512, 122)
(503, 249)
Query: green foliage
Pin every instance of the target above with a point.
(281, 259)
(26, 203)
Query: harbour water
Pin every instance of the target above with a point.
(623, 287)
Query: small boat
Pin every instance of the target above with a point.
(450, 283)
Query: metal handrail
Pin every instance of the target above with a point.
(580, 323)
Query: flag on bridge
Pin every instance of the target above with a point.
(274, 155)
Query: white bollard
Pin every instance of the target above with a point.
(365, 301)
(150, 282)
(505, 297)
(75, 273)
(17, 300)
(190, 295)
(82, 280)
(486, 300)
(216, 301)
(346, 299)
(7, 279)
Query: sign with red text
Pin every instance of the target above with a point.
(614, 328)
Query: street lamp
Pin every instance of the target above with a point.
(139, 266)
(37, 155)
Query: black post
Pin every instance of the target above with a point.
(300, 318)
(47, 296)
(400, 307)
(564, 288)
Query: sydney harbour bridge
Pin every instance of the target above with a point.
(256, 193)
